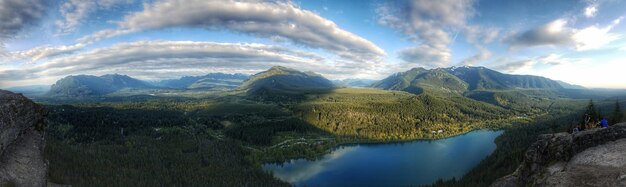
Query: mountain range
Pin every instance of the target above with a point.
(80, 86)
(459, 80)
(89, 85)
(440, 81)
(32, 90)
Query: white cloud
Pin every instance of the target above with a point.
(427, 23)
(528, 65)
(275, 20)
(553, 59)
(18, 14)
(44, 52)
(515, 66)
(594, 37)
(103, 34)
(427, 55)
(74, 12)
(478, 37)
(558, 59)
(553, 33)
(483, 54)
(481, 35)
(557, 33)
(591, 10)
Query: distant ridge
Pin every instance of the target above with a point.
(208, 81)
(570, 86)
(31, 90)
(355, 83)
(88, 85)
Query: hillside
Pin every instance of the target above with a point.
(393, 115)
(458, 80)
(481, 78)
(284, 80)
(88, 85)
(208, 81)
(526, 101)
(420, 80)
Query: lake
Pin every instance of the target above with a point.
(419, 162)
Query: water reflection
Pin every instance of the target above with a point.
(391, 164)
(301, 169)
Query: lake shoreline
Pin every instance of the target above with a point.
(337, 142)
(384, 157)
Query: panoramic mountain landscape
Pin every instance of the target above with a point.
(312, 93)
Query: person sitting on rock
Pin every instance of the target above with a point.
(604, 123)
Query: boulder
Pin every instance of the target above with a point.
(21, 141)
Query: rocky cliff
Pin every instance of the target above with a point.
(21, 141)
(589, 158)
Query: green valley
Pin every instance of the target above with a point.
(368, 93)
(277, 115)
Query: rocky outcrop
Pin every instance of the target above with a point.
(589, 158)
(21, 141)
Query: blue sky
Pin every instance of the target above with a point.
(577, 41)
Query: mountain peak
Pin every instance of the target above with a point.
(417, 69)
(115, 75)
(280, 68)
(282, 79)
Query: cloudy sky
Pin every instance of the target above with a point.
(577, 41)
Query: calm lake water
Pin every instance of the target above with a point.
(418, 162)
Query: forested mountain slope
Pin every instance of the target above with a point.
(458, 80)
(420, 80)
(279, 80)
(481, 78)
(392, 115)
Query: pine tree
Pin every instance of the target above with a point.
(591, 114)
(600, 115)
(617, 115)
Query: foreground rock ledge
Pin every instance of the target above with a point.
(21, 141)
(589, 158)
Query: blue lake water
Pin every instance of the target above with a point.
(418, 162)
